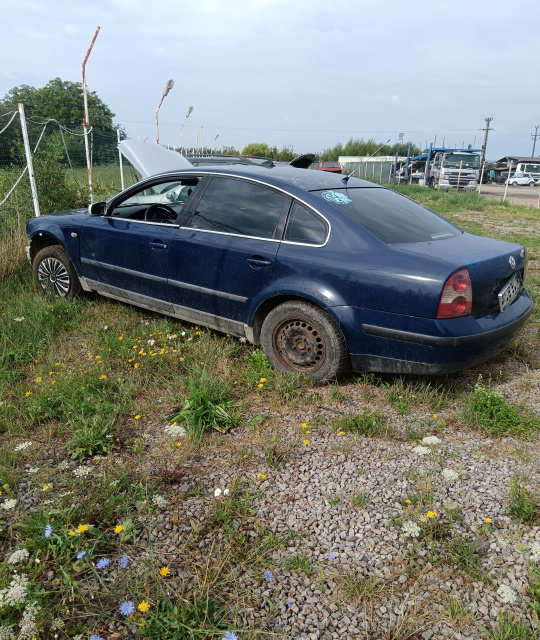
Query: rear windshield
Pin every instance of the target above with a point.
(389, 215)
(332, 164)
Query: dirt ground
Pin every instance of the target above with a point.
(529, 196)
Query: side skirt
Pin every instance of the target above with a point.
(225, 325)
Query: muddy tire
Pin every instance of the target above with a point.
(298, 337)
(55, 273)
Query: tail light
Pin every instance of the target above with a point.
(456, 298)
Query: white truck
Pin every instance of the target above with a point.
(444, 169)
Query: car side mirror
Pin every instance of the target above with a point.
(97, 209)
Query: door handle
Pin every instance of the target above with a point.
(157, 244)
(258, 262)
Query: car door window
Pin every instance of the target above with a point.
(234, 206)
(305, 227)
(160, 202)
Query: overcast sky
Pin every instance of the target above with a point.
(307, 73)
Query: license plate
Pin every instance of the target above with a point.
(510, 291)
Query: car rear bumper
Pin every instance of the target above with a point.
(404, 344)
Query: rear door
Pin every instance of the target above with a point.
(227, 251)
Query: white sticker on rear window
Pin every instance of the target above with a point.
(336, 198)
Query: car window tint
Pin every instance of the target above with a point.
(234, 206)
(305, 227)
(391, 216)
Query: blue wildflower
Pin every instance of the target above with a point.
(230, 636)
(123, 562)
(332, 555)
(48, 531)
(101, 564)
(81, 554)
(268, 575)
(289, 603)
(96, 637)
(127, 607)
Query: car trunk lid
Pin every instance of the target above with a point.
(490, 264)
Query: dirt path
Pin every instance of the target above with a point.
(529, 196)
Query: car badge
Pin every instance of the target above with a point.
(512, 262)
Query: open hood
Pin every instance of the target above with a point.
(150, 158)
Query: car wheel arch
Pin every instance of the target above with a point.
(41, 240)
(268, 305)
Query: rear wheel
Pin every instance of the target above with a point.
(298, 337)
(55, 273)
(514, 184)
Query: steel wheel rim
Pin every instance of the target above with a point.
(52, 274)
(299, 345)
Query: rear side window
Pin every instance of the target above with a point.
(392, 217)
(241, 208)
(305, 227)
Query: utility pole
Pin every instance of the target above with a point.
(486, 130)
(534, 136)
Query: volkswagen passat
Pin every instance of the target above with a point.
(326, 273)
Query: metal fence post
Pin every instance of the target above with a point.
(120, 158)
(29, 164)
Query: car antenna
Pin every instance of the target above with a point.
(346, 178)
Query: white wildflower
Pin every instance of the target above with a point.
(175, 430)
(23, 445)
(506, 594)
(535, 552)
(64, 465)
(450, 475)
(21, 319)
(422, 518)
(33, 470)
(6, 633)
(151, 342)
(225, 492)
(217, 493)
(67, 493)
(47, 502)
(430, 440)
(451, 505)
(159, 500)
(118, 461)
(422, 451)
(16, 592)
(105, 327)
(243, 340)
(28, 623)
(46, 486)
(57, 624)
(410, 528)
(18, 556)
(8, 504)
(80, 472)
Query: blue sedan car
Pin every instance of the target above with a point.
(326, 272)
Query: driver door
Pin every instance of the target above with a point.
(125, 253)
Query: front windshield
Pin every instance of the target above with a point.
(390, 216)
(465, 160)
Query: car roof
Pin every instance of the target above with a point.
(305, 179)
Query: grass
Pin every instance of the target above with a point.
(488, 410)
(91, 384)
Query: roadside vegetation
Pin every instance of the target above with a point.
(106, 412)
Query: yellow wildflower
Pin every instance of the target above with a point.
(488, 520)
(262, 380)
(137, 417)
(119, 528)
(82, 528)
(431, 514)
(306, 441)
(103, 377)
(260, 385)
(164, 571)
(29, 393)
(38, 379)
(143, 607)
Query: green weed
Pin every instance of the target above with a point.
(524, 505)
(368, 423)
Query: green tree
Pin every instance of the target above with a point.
(61, 100)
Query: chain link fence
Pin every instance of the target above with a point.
(61, 175)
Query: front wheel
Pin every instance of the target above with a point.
(298, 337)
(531, 184)
(54, 272)
(514, 184)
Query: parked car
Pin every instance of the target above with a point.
(332, 167)
(524, 179)
(326, 273)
